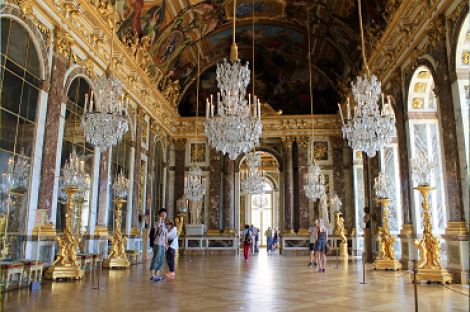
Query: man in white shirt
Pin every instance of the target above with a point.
(172, 247)
(159, 247)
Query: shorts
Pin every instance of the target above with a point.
(312, 247)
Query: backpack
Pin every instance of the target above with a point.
(248, 240)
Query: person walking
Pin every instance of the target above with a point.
(159, 247)
(311, 232)
(276, 240)
(253, 239)
(172, 247)
(320, 245)
(247, 241)
(269, 239)
(257, 240)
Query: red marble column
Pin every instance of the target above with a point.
(137, 165)
(180, 151)
(289, 185)
(214, 191)
(229, 196)
(50, 155)
(304, 201)
(449, 133)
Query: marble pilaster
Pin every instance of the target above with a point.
(150, 176)
(50, 168)
(180, 151)
(289, 185)
(104, 184)
(136, 181)
(214, 191)
(229, 196)
(449, 134)
(339, 175)
(304, 202)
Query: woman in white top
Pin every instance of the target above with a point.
(312, 233)
(172, 246)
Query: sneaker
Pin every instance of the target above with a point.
(152, 279)
(170, 274)
(161, 278)
(157, 279)
(310, 265)
(316, 264)
(319, 270)
(324, 270)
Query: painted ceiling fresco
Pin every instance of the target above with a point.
(179, 29)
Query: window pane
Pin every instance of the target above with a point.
(17, 48)
(5, 32)
(8, 128)
(33, 60)
(11, 92)
(25, 139)
(18, 70)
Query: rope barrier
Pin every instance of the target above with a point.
(444, 285)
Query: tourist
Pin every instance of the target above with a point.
(269, 239)
(257, 240)
(159, 247)
(275, 240)
(320, 245)
(247, 241)
(311, 232)
(172, 247)
(253, 239)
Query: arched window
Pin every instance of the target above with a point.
(19, 83)
(425, 137)
(120, 163)
(74, 141)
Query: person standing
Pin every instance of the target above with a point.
(276, 239)
(320, 245)
(257, 240)
(269, 239)
(159, 247)
(253, 239)
(247, 241)
(311, 232)
(172, 247)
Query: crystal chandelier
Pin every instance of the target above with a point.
(74, 175)
(370, 128)
(236, 126)
(336, 203)
(16, 178)
(195, 183)
(314, 182)
(382, 186)
(421, 169)
(106, 123)
(252, 178)
(121, 186)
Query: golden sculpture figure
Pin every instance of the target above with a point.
(386, 258)
(66, 264)
(429, 265)
(117, 253)
(343, 246)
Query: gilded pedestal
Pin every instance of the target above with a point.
(429, 265)
(117, 254)
(386, 258)
(343, 246)
(66, 264)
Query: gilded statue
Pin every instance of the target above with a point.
(61, 256)
(422, 252)
(341, 226)
(171, 92)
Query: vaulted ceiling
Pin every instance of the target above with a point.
(178, 29)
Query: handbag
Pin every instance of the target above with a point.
(248, 240)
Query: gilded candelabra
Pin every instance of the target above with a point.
(343, 246)
(66, 264)
(386, 258)
(429, 265)
(117, 254)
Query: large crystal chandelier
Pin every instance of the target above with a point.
(314, 181)
(121, 186)
(195, 183)
(106, 122)
(16, 178)
(382, 185)
(421, 169)
(236, 126)
(336, 203)
(370, 128)
(252, 178)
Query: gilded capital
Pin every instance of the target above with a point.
(63, 42)
(180, 143)
(287, 141)
(302, 141)
(436, 30)
(141, 116)
(154, 126)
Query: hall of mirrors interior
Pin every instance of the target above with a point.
(113, 110)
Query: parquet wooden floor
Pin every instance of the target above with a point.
(228, 283)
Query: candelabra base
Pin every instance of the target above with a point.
(101, 231)
(213, 232)
(387, 265)
(343, 249)
(433, 275)
(66, 271)
(116, 263)
(288, 232)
